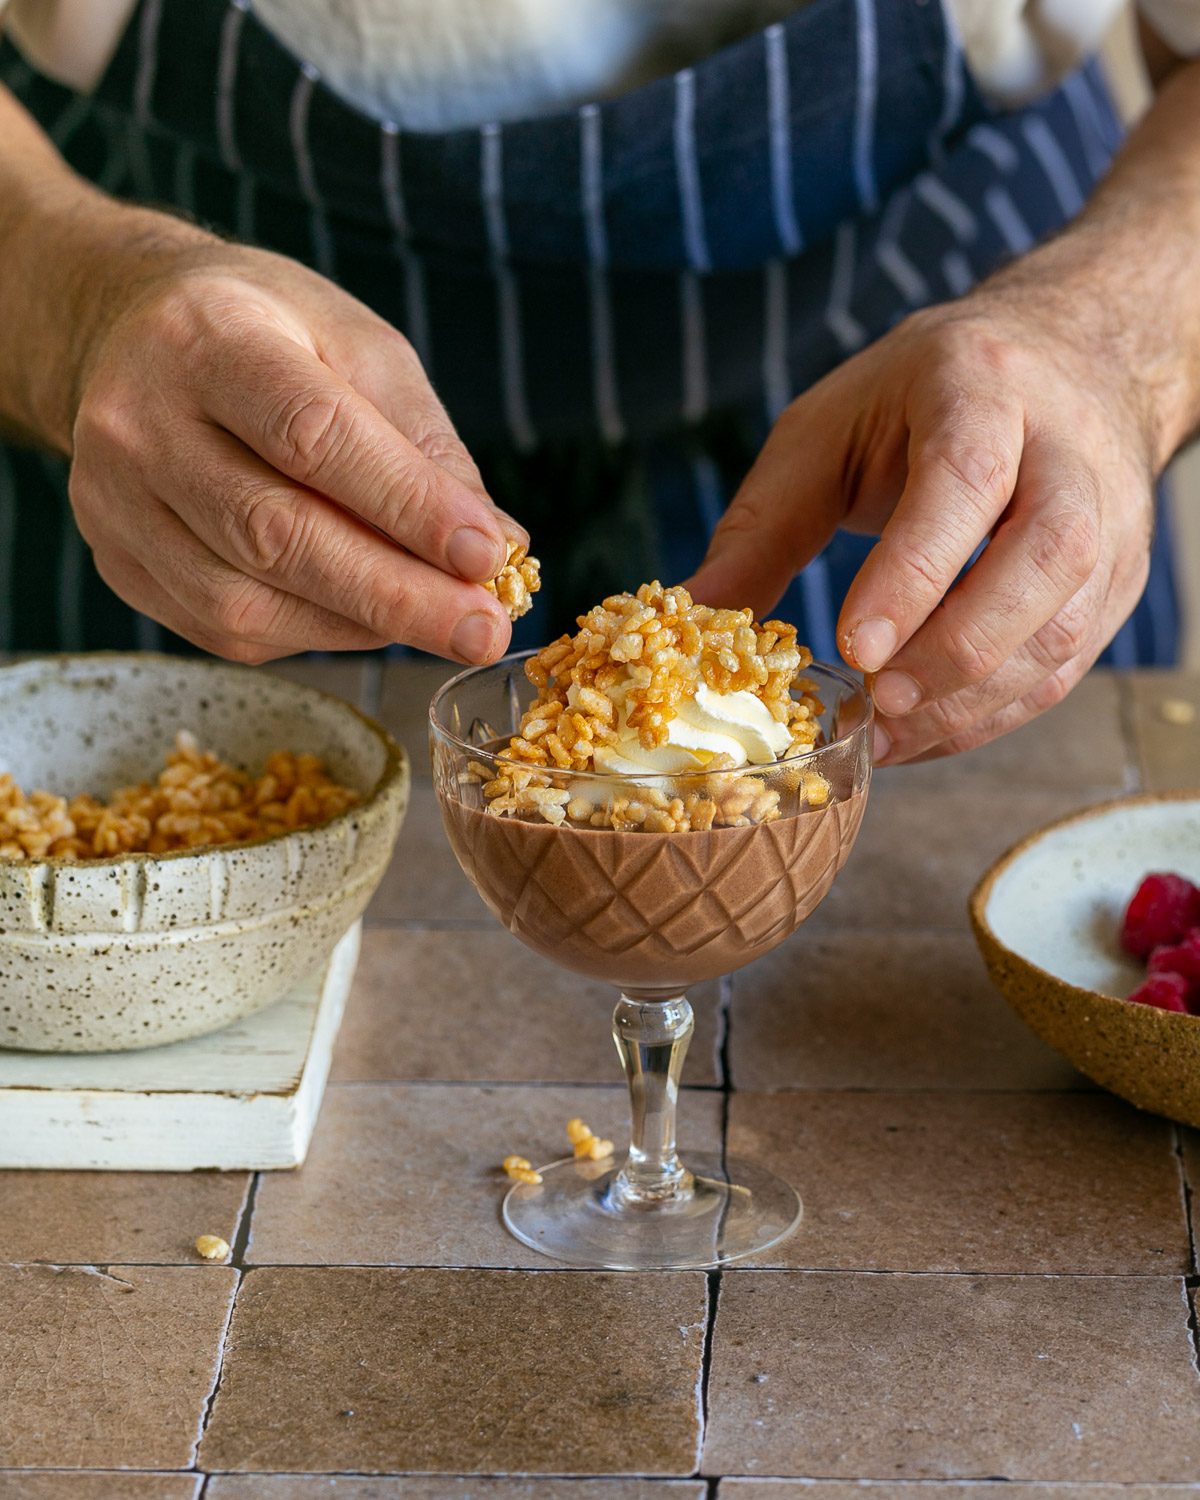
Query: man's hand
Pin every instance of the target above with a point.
(1034, 414)
(993, 418)
(261, 465)
(259, 461)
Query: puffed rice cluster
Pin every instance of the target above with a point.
(667, 645)
(198, 800)
(517, 581)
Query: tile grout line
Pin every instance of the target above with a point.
(236, 1261)
(713, 1277)
(1191, 1281)
(1135, 771)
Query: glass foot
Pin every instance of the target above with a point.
(577, 1214)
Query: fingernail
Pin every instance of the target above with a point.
(473, 554)
(880, 745)
(873, 642)
(473, 638)
(512, 527)
(895, 693)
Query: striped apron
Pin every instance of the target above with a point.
(614, 301)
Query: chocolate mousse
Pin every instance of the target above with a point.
(669, 807)
(653, 912)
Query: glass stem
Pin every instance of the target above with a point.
(652, 1038)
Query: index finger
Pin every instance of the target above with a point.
(313, 426)
(963, 459)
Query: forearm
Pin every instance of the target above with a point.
(1124, 274)
(67, 254)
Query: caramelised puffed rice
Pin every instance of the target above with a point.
(666, 645)
(587, 1145)
(518, 1168)
(212, 1247)
(517, 581)
(197, 801)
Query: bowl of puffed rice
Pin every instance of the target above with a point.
(181, 841)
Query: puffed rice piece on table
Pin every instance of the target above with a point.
(518, 1168)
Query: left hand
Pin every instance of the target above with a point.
(1004, 416)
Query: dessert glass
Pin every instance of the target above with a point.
(650, 913)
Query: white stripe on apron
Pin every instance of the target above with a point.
(848, 331)
(1053, 162)
(591, 189)
(779, 119)
(864, 107)
(512, 363)
(1005, 215)
(147, 62)
(231, 37)
(691, 203)
(952, 84)
(695, 358)
(776, 377)
(898, 268)
(950, 208)
(415, 302)
(322, 240)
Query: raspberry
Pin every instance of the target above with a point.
(1179, 958)
(1163, 908)
(1163, 991)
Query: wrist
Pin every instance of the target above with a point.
(86, 261)
(1130, 324)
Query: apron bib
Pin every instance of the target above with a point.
(614, 301)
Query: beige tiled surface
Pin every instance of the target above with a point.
(878, 1010)
(915, 1377)
(425, 1184)
(940, 1148)
(461, 1372)
(98, 1217)
(464, 1006)
(298, 1487)
(108, 1369)
(835, 1489)
(406, 689)
(424, 884)
(1076, 747)
(111, 1486)
(1168, 753)
(920, 852)
(962, 1182)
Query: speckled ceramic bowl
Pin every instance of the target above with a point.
(103, 955)
(1047, 915)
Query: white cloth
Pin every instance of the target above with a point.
(441, 64)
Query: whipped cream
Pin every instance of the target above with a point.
(738, 725)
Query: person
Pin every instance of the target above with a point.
(298, 296)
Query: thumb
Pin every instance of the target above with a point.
(784, 514)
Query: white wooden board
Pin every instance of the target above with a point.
(245, 1097)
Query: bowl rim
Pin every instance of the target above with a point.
(843, 674)
(395, 771)
(978, 901)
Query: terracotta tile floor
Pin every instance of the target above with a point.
(992, 1283)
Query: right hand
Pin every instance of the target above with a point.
(261, 465)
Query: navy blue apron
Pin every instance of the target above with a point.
(613, 301)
